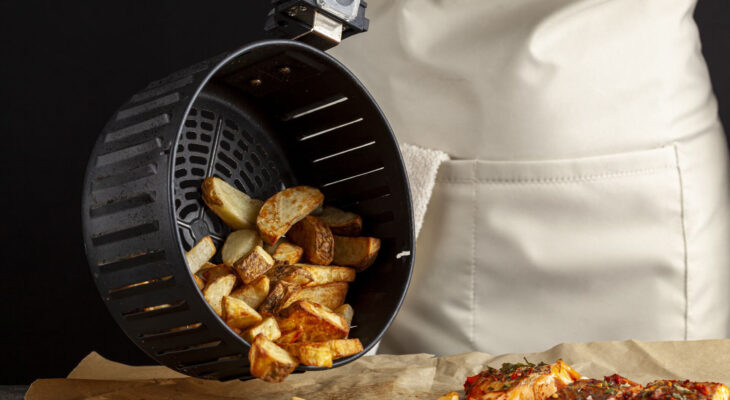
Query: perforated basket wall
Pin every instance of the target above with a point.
(270, 115)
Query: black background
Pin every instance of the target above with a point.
(65, 68)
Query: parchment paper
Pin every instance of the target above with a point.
(418, 376)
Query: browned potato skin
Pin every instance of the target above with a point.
(253, 265)
(315, 237)
(277, 295)
(357, 252)
(267, 362)
(285, 209)
(341, 222)
(317, 322)
(330, 295)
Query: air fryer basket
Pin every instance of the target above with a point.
(270, 115)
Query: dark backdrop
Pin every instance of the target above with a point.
(64, 70)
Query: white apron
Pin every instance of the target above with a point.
(587, 195)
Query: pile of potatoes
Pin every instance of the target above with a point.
(286, 269)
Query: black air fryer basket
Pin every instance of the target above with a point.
(270, 115)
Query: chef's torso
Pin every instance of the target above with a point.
(586, 198)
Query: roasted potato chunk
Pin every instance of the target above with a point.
(238, 314)
(211, 271)
(315, 237)
(344, 347)
(341, 222)
(199, 282)
(203, 251)
(239, 244)
(289, 336)
(345, 311)
(235, 208)
(285, 209)
(330, 295)
(270, 362)
(318, 324)
(312, 275)
(311, 353)
(254, 293)
(216, 289)
(277, 295)
(356, 252)
(257, 263)
(287, 253)
(268, 327)
(449, 396)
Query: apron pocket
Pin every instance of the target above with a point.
(520, 256)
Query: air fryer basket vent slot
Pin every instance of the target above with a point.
(215, 142)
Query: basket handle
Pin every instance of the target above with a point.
(320, 23)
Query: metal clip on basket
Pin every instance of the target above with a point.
(269, 115)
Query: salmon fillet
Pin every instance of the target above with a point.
(520, 381)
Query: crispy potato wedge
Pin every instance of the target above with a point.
(254, 293)
(270, 362)
(330, 295)
(203, 251)
(317, 323)
(238, 314)
(268, 327)
(356, 252)
(285, 209)
(313, 275)
(277, 295)
(311, 353)
(287, 253)
(341, 222)
(253, 265)
(211, 271)
(345, 311)
(239, 244)
(449, 396)
(344, 347)
(235, 208)
(315, 237)
(216, 289)
(289, 336)
(199, 282)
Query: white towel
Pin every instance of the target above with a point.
(422, 166)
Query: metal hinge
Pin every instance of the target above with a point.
(320, 23)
